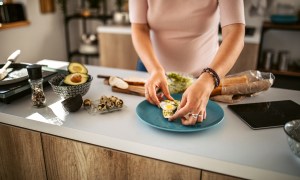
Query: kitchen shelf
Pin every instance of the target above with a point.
(91, 17)
(291, 76)
(14, 24)
(104, 17)
(284, 73)
(269, 25)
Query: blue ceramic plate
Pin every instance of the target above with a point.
(152, 115)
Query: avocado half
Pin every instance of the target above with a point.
(76, 79)
(75, 67)
(72, 104)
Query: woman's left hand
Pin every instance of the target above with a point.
(194, 101)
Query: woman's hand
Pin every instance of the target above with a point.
(194, 101)
(156, 81)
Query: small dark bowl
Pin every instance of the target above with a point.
(66, 91)
(292, 130)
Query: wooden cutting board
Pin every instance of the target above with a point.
(133, 90)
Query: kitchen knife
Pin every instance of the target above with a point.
(12, 58)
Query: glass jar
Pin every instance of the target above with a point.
(37, 93)
(36, 83)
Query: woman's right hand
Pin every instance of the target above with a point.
(157, 80)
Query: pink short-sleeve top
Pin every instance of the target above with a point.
(184, 33)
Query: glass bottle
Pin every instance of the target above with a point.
(36, 82)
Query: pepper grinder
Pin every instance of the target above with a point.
(36, 82)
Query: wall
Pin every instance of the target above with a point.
(256, 20)
(44, 38)
(274, 39)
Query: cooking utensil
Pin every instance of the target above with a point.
(12, 58)
(17, 72)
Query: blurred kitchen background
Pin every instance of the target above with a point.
(97, 32)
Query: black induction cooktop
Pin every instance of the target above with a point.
(10, 92)
(267, 114)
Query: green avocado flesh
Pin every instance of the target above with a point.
(75, 67)
(76, 79)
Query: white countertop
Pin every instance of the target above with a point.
(255, 39)
(229, 148)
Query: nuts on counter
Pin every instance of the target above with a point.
(103, 105)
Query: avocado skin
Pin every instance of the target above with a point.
(75, 67)
(72, 104)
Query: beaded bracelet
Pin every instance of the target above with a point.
(213, 74)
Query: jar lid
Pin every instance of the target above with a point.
(34, 71)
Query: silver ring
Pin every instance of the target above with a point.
(195, 115)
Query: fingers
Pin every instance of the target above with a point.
(192, 118)
(180, 113)
(190, 113)
(183, 101)
(151, 96)
(151, 88)
(166, 92)
(203, 116)
(160, 96)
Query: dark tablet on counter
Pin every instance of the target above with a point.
(267, 114)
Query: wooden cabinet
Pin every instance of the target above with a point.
(21, 154)
(146, 168)
(26, 154)
(67, 159)
(117, 51)
(247, 59)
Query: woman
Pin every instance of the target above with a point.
(182, 36)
